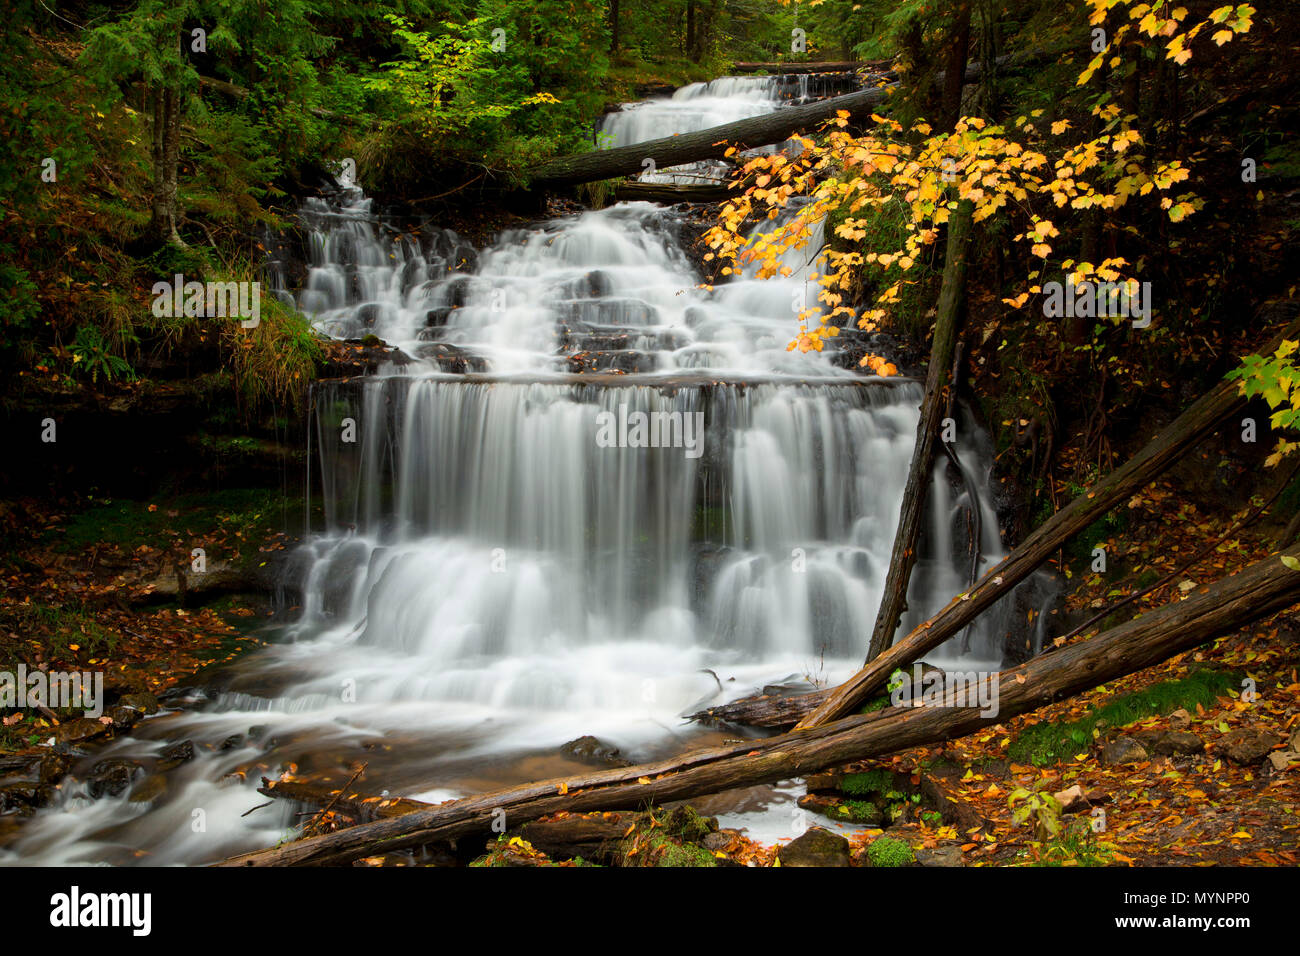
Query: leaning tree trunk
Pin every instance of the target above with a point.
(937, 381)
(1262, 589)
(1161, 452)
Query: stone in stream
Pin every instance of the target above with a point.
(817, 847)
(23, 797)
(175, 755)
(590, 750)
(111, 776)
(149, 790)
(83, 728)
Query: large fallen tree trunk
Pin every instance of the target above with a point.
(670, 195)
(356, 805)
(1233, 602)
(1166, 448)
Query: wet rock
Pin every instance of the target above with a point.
(54, 767)
(834, 807)
(111, 777)
(83, 728)
(948, 854)
(1246, 747)
(13, 765)
(175, 755)
(258, 731)
(1179, 742)
(123, 717)
(590, 750)
(817, 847)
(142, 701)
(232, 742)
(1123, 750)
(24, 795)
(149, 789)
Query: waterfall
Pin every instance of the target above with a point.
(490, 578)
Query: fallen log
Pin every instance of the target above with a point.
(762, 710)
(357, 806)
(671, 195)
(592, 838)
(1171, 444)
(1260, 590)
(711, 143)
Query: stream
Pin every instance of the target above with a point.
(493, 578)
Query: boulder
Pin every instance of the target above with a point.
(1246, 747)
(1179, 742)
(175, 755)
(817, 847)
(111, 777)
(23, 796)
(590, 750)
(149, 789)
(1123, 750)
(82, 728)
(948, 854)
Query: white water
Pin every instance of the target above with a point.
(489, 582)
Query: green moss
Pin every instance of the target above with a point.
(671, 853)
(1047, 743)
(870, 781)
(876, 703)
(886, 851)
(685, 822)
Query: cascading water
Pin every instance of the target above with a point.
(491, 579)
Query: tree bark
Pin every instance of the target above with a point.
(671, 195)
(613, 26)
(1161, 452)
(1262, 589)
(762, 710)
(955, 70)
(166, 160)
(358, 806)
(893, 601)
